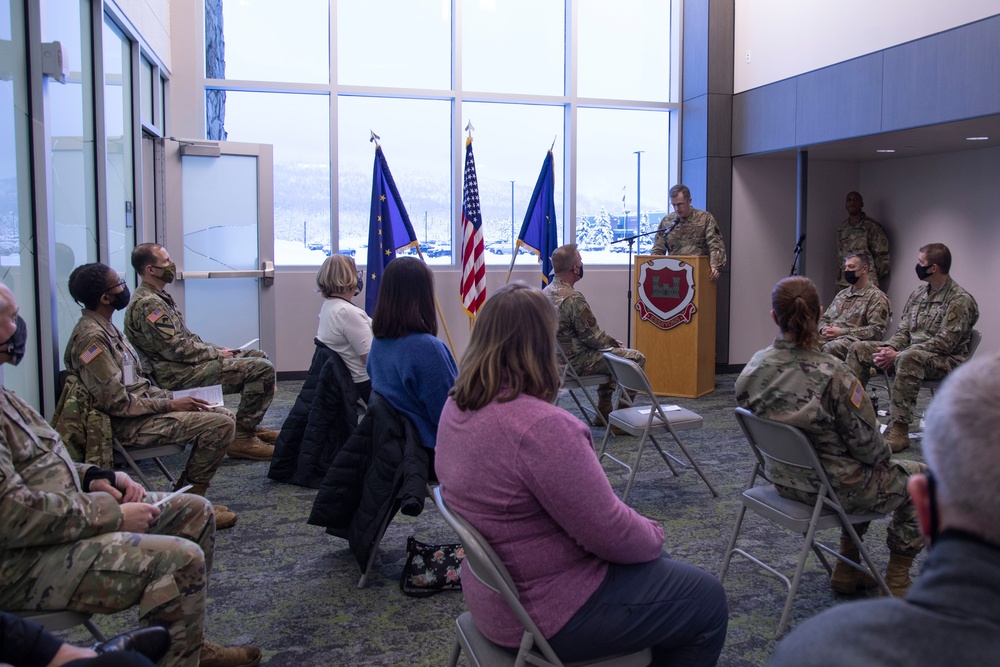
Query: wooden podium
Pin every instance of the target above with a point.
(674, 323)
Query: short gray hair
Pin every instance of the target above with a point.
(680, 190)
(863, 258)
(962, 447)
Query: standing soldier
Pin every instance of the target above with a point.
(859, 312)
(689, 231)
(176, 358)
(859, 233)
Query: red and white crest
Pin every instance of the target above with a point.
(666, 292)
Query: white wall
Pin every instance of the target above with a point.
(789, 37)
(950, 198)
(152, 19)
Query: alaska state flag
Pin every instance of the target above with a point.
(538, 232)
(389, 229)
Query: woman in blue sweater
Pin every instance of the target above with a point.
(407, 364)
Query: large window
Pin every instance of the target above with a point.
(589, 78)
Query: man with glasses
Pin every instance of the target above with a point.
(689, 231)
(177, 358)
(950, 615)
(932, 339)
(577, 332)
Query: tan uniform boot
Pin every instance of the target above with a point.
(848, 580)
(898, 438)
(224, 517)
(897, 574)
(213, 655)
(250, 447)
(268, 435)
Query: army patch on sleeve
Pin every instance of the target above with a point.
(858, 394)
(90, 354)
(155, 315)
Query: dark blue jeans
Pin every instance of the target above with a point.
(677, 609)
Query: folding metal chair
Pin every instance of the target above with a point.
(772, 441)
(55, 621)
(571, 381)
(644, 421)
(484, 564)
(129, 456)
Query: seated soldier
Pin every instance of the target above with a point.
(80, 538)
(176, 358)
(141, 414)
(933, 338)
(859, 312)
(581, 339)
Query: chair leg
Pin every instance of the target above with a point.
(732, 544)
(695, 465)
(120, 448)
(867, 558)
(166, 473)
(371, 557)
(95, 631)
(799, 568)
(668, 458)
(456, 651)
(635, 469)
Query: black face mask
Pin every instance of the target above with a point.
(15, 345)
(120, 300)
(580, 275)
(923, 271)
(851, 277)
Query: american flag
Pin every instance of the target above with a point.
(472, 289)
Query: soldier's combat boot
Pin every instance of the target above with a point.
(224, 517)
(268, 435)
(898, 437)
(213, 655)
(249, 446)
(848, 580)
(897, 574)
(604, 404)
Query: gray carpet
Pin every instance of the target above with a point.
(292, 590)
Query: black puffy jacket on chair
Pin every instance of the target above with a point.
(323, 418)
(381, 468)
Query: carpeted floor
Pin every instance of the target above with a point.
(292, 590)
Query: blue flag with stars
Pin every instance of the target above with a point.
(538, 232)
(389, 229)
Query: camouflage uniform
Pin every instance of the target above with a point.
(697, 234)
(932, 339)
(866, 236)
(99, 355)
(820, 396)
(860, 314)
(176, 358)
(59, 548)
(581, 339)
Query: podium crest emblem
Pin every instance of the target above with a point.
(666, 292)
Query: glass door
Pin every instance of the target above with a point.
(219, 231)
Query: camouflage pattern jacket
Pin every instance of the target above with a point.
(698, 234)
(98, 354)
(861, 314)
(42, 502)
(85, 430)
(577, 330)
(819, 395)
(866, 236)
(169, 350)
(939, 322)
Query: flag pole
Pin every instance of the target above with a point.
(444, 322)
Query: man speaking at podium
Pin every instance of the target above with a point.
(689, 231)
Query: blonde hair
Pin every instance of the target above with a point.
(512, 350)
(338, 275)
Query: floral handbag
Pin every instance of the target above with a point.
(431, 569)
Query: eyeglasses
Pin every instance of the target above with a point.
(121, 283)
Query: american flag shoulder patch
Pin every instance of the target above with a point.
(90, 354)
(858, 394)
(155, 315)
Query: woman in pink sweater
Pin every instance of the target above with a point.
(590, 571)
